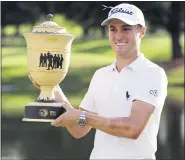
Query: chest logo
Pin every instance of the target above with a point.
(127, 95)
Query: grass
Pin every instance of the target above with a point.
(176, 84)
(86, 57)
(176, 93)
(176, 76)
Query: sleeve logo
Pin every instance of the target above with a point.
(153, 92)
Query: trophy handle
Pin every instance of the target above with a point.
(46, 94)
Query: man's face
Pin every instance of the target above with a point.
(124, 39)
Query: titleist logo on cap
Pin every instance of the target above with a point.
(120, 10)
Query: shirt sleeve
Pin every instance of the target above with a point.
(88, 100)
(154, 89)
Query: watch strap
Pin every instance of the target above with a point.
(83, 115)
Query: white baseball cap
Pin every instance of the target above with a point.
(127, 13)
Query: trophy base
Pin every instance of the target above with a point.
(42, 112)
(37, 120)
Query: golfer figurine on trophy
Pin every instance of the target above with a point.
(48, 57)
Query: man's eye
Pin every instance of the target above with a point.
(126, 29)
(112, 29)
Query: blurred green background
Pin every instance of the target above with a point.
(90, 51)
(93, 55)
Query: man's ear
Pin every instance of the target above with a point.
(142, 32)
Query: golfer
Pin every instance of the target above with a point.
(124, 100)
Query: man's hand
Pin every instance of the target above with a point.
(69, 118)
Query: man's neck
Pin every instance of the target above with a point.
(123, 62)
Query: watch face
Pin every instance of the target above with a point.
(82, 122)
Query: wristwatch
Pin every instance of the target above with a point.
(82, 119)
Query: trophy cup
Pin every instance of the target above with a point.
(48, 57)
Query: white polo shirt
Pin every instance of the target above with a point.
(111, 93)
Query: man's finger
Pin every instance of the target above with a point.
(57, 122)
(65, 105)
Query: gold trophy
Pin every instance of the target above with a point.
(48, 57)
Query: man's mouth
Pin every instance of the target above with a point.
(121, 44)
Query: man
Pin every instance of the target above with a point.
(125, 99)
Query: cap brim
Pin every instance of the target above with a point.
(105, 22)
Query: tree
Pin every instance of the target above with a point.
(174, 28)
(168, 15)
(16, 13)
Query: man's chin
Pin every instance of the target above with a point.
(122, 55)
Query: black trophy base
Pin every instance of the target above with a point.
(42, 113)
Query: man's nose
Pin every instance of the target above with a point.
(118, 36)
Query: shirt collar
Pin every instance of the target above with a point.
(135, 65)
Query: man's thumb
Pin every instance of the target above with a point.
(64, 105)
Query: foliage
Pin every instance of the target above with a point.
(89, 15)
